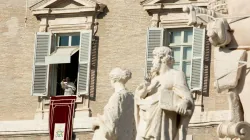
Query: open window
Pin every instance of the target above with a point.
(58, 56)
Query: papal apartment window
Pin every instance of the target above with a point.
(188, 51)
(180, 41)
(68, 39)
(58, 56)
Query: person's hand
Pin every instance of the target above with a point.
(182, 108)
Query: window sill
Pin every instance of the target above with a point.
(34, 127)
(78, 99)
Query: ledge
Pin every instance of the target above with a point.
(209, 118)
(173, 5)
(34, 127)
(63, 10)
(38, 127)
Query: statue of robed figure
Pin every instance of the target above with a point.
(163, 103)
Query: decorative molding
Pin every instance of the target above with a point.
(209, 118)
(218, 6)
(45, 3)
(198, 16)
(34, 127)
(84, 124)
(52, 11)
(180, 23)
(178, 5)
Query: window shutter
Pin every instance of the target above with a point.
(40, 69)
(206, 67)
(84, 62)
(154, 39)
(197, 58)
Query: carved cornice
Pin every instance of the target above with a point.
(87, 6)
(45, 3)
(88, 9)
(177, 5)
(53, 11)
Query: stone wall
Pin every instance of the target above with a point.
(16, 47)
(122, 43)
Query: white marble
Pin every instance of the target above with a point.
(117, 121)
(161, 99)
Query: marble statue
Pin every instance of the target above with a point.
(228, 33)
(218, 32)
(163, 104)
(117, 121)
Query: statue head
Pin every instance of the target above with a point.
(119, 75)
(162, 57)
(218, 32)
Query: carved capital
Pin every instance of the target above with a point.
(234, 130)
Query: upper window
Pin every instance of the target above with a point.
(68, 39)
(53, 64)
(180, 41)
(187, 45)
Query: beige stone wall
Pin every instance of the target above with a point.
(16, 47)
(203, 133)
(80, 136)
(122, 43)
(31, 137)
(214, 101)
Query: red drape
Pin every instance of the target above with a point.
(61, 114)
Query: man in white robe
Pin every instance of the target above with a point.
(68, 86)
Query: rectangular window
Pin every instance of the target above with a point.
(58, 56)
(180, 41)
(72, 39)
(188, 51)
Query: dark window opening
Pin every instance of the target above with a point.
(67, 70)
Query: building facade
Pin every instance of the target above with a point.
(44, 41)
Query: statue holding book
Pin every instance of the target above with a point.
(163, 103)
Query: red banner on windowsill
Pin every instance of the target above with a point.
(61, 116)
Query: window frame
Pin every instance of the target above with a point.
(181, 45)
(55, 44)
(70, 34)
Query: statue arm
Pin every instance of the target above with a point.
(144, 89)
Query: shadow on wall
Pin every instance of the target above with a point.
(103, 14)
(94, 59)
